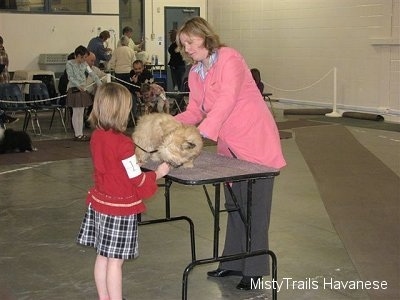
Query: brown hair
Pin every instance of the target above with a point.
(104, 35)
(111, 107)
(198, 27)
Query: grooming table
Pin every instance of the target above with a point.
(213, 169)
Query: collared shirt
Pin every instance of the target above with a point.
(236, 116)
(200, 68)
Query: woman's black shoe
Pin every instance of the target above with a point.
(248, 282)
(223, 273)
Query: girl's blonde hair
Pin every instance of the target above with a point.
(111, 107)
(198, 27)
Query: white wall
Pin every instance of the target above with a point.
(28, 35)
(294, 43)
(154, 22)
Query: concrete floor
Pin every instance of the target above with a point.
(42, 205)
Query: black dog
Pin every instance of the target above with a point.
(14, 141)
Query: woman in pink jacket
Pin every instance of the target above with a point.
(228, 108)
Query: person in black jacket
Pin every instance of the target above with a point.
(176, 62)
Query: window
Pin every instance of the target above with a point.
(69, 6)
(46, 6)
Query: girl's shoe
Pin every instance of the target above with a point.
(82, 138)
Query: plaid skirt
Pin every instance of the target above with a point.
(78, 98)
(111, 236)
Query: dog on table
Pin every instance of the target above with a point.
(159, 137)
(15, 141)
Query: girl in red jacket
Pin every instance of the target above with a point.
(115, 200)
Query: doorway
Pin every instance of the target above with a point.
(174, 18)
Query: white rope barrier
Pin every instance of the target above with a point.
(334, 112)
(108, 77)
(303, 88)
(137, 86)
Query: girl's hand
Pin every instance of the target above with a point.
(162, 170)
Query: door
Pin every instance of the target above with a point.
(174, 18)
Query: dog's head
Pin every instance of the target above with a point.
(181, 146)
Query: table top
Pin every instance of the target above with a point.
(211, 168)
(25, 81)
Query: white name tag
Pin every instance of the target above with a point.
(131, 166)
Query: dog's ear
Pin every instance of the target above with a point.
(188, 145)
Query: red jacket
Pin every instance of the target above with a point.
(118, 188)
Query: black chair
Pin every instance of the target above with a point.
(14, 101)
(41, 101)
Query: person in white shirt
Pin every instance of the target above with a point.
(128, 32)
(122, 60)
(138, 48)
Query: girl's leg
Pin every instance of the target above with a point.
(77, 120)
(100, 277)
(114, 278)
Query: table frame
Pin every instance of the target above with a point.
(216, 180)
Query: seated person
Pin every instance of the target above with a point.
(257, 78)
(154, 98)
(139, 75)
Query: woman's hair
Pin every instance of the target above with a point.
(124, 40)
(104, 35)
(127, 29)
(111, 107)
(81, 50)
(198, 27)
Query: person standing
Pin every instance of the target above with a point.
(128, 32)
(4, 78)
(139, 49)
(77, 96)
(110, 224)
(4, 75)
(228, 108)
(96, 45)
(176, 62)
(122, 60)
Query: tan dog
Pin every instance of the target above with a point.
(160, 137)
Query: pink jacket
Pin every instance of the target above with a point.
(229, 109)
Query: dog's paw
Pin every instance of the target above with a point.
(188, 164)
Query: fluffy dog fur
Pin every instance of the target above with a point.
(159, 137)
(14, 141)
